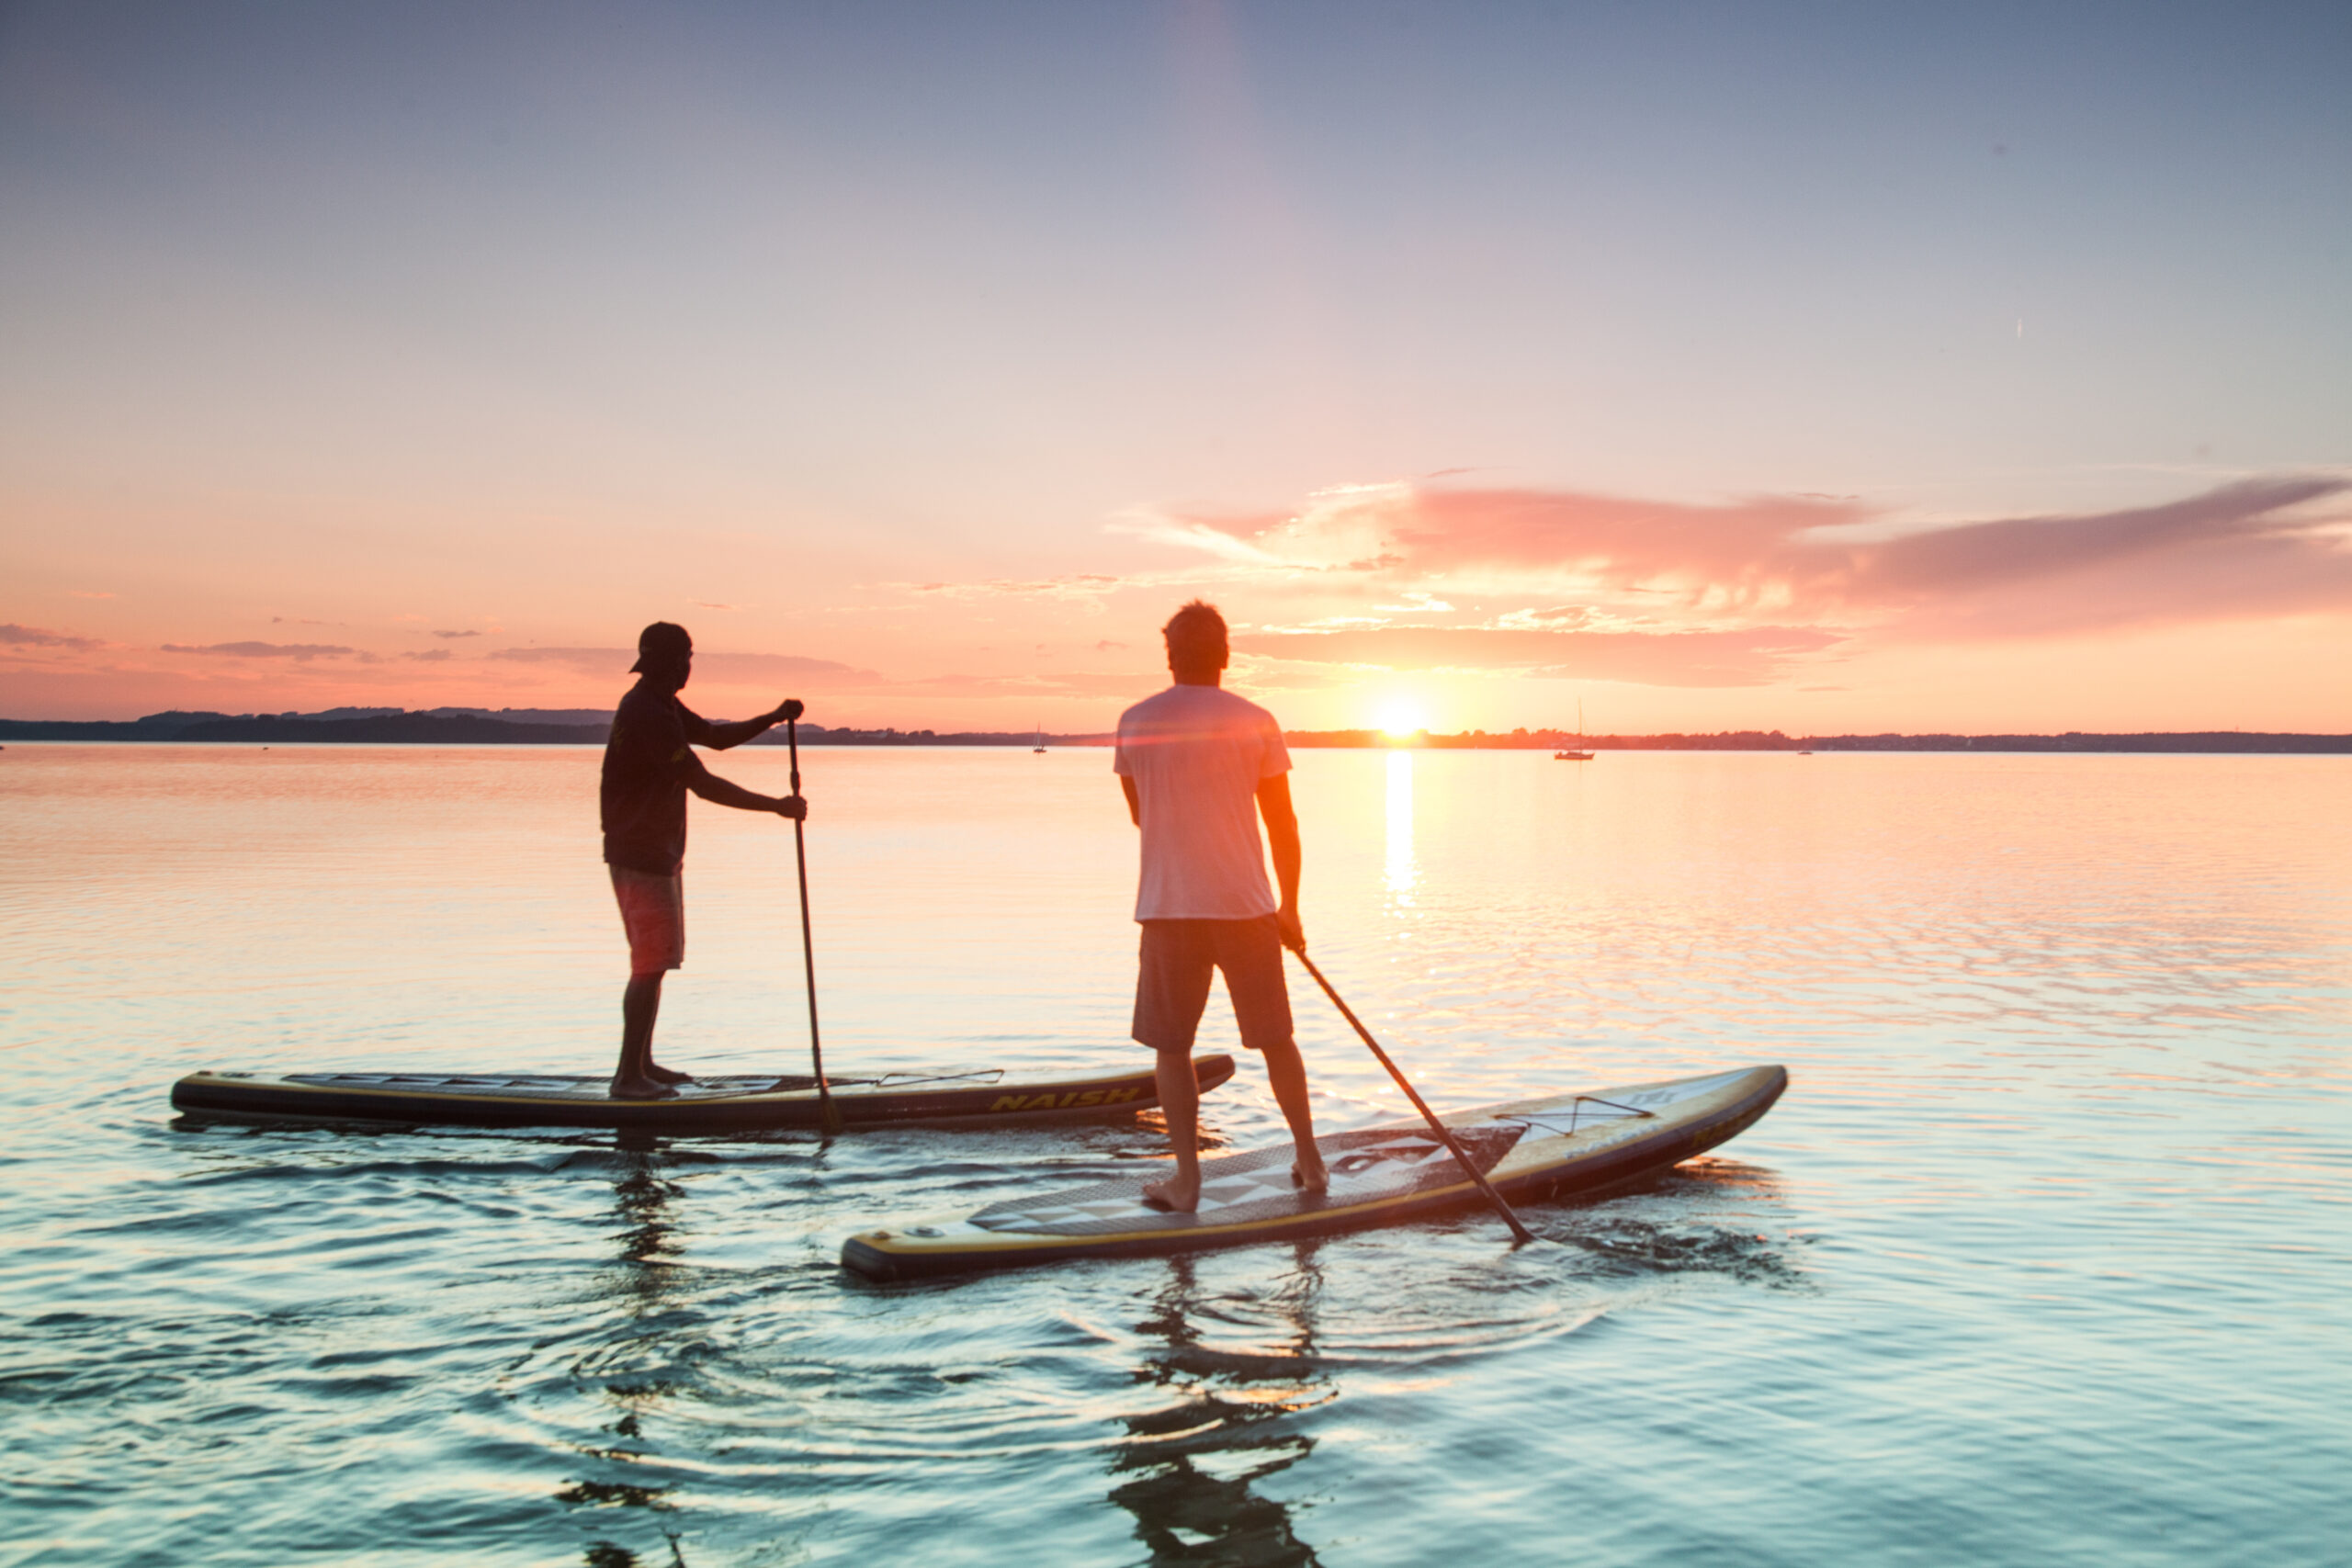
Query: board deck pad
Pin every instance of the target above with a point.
(1530, 1149)
(583, 1085)
(1364, 1166)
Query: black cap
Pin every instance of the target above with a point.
(662, 641)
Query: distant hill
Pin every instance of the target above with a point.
(1773, 741)
(588, 727)
(458, 726)
(391, 727)
(2216, 741)
(818, 735)
(515, 716)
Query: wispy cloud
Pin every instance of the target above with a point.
(588, 661)
(36, 637)
(302, 652)
(741, 668)
(1087, 586)
(725, 669)
(2250, 549)
(805, 674)
(453, 634)
(1754, 657)
(1233, 539)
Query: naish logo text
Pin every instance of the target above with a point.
(1071, 1101)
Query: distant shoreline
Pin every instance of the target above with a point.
(576, 727)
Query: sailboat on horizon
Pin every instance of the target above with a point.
(1575, 753)
(1038, 748)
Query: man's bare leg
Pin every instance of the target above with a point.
(636, 1077)
(1287, 1072)
(1179, 1103)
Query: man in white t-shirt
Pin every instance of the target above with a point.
(1200, 765)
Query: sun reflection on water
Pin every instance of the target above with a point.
(1400, 871)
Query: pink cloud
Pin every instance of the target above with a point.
(1751, 658)
(1622, 541)
(302, 652)
(15, 636)
(2254, 547)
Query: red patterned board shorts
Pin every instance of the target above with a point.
(1173, 981)
(653, 912)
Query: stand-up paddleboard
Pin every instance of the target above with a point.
(736, 1104)
(1530, 1149)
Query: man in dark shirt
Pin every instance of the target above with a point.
(650, 765)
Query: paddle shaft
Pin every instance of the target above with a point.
(1444, 1135)
(829, 1116)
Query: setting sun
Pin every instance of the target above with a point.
(1401, 717)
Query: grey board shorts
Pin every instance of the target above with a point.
(1172, 980)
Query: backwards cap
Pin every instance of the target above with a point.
(661, 642)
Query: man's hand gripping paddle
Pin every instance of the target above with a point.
(829, 1116)
(1444, 1135)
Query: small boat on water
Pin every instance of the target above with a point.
(735, 1103)
(1575, 753)
(1038, 747)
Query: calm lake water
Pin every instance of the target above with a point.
(2042, 1258)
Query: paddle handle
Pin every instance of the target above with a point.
(829, 1114)
(1444, 1135)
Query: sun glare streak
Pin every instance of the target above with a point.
(1400, 869)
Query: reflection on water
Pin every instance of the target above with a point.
(643, 1281)
(646, 1266)
(1399, 878)
(607, 1554)
(1192, 1465)
(611, 1554)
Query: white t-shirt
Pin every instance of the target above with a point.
(1196, 755)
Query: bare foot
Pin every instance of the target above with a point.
(1173, 1195)
(661, 1074)
(1307, 1178)
(642, 1088)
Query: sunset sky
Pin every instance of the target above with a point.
(1814, 367)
